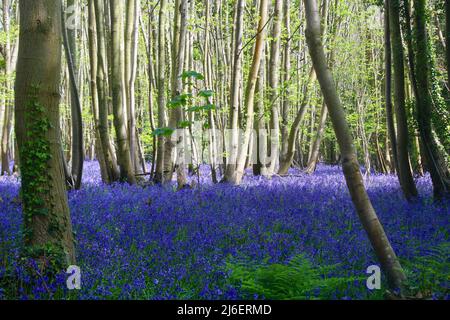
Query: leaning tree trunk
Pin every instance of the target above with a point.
(286, 164)
(380, 243)
(314, 159)
(404, 165)
(250, 92)
(123, 152)
(47, 225)
(438, 171)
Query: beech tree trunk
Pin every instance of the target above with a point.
(77, 124)
(159, 175)
(274, 79)
(45, 207)
(250, 92)
(388, 85)
(404, 165)
(103, 93)
(8, 115)
(123, 150)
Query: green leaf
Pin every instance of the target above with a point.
(164, 132)
(192, 74)
(185, 124)
(206, 93)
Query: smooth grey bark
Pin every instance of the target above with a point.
(117, 70)
(77, 121)
(103, 93)
(274, 79)
(250, 93)
(236, 78)
(8, 113)
(37, 98)
(388, 86)
(161, 83)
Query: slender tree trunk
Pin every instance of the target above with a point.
(388, 85)
(287, 80)
(260, 167)
(103, 96)
(159, 175)
(274, 80)
(123, 152)
(235, 96)
(404, 165)
(45, 207)
(131, 41)
(178, 112)
(293, 135)
(77, 125)
(8, 115)
(250, 92)
(93, 59)
(380, 243)
(312, 164)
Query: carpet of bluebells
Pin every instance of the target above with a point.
(155, 242)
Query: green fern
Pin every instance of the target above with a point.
(298, 280)
(430, 274)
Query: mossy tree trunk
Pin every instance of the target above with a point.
(435, 163)
(404, 165)
(47, 224)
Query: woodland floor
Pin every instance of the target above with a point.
(286, 238)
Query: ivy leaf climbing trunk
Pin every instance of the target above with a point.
(47, 224)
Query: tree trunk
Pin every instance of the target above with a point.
(8, 115)
(47, 225)
(366, 212)
(77, 125)
(438, 171)
(103, 96)
(312, 164)
(123, 152)
(93, 59)
(274, 78)
(250, 92)
(287, 80)
(404, 165)
(233, 148)
(293, 135)
(388, 85)
(159, 175)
